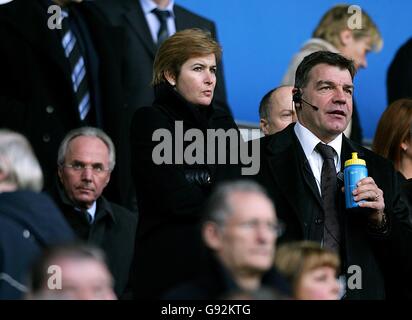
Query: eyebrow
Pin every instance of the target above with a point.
(333, 84)
(203, 65)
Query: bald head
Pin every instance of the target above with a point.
(276, 110)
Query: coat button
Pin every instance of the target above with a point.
(26, 234)
(46, 138)
(318, 220)
(49, 109)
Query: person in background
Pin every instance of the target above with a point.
(399, 76)
(393, 136)
(85, 160)
(61, 77)
(148, 23)
(171, 194)
(71, 272)
(334, 34)
(276, 110)
(29, 220)
(311, 269)
(240, 230)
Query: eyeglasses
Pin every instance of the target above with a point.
(96, 168)
(277, 228)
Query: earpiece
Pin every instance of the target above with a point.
(297, 96)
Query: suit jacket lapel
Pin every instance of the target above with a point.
(136, 18)
(288, 164)
(42, 38)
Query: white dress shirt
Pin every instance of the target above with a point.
(309, 141)
(153, 22)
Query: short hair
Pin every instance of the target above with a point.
(394, 127)
(18, 162)
(179, 48)
(294, 259)
(321, 57)
(264, 106)
(86, 132)
(219, 206)
(76, 251)
(335, 20)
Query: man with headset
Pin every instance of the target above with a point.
(299, 168)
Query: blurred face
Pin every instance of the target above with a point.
(85, 279)
(246, 242)
(356, 50)
(197, 80)
(330, 89)
(318, 284)
(282, 112)
(85, 173)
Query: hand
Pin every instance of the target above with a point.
(368, 191)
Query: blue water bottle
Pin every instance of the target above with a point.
(355, 170)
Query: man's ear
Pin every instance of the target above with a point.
(212, 235)
(108, 179)
(346, 37)
(264, 126)
(170, 78)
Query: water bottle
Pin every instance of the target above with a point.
(355, 170)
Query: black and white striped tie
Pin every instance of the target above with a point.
(77, 65)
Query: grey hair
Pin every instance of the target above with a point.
(219, 206)
(86, 132)
(18, 162)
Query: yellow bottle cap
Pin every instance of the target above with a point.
(355, 160)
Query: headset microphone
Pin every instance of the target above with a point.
(297, 98)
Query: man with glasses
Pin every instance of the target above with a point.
(86, 158)
(240, 230)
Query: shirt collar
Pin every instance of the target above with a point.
(149, 5)
(309, 141)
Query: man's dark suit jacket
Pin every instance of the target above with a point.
(286, 174)
(113, 230)
(141, 49)
(36, 90)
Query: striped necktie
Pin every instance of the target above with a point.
(78, 68)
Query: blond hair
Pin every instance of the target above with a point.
(335, 20)
(294, 259)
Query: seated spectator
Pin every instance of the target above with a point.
(311, 269)
(240, 229)
(29, 220)
(393, 136)
(86, 159)
(76, 272)
(276, 110)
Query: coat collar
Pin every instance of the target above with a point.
(172, 102)
(103, 207)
